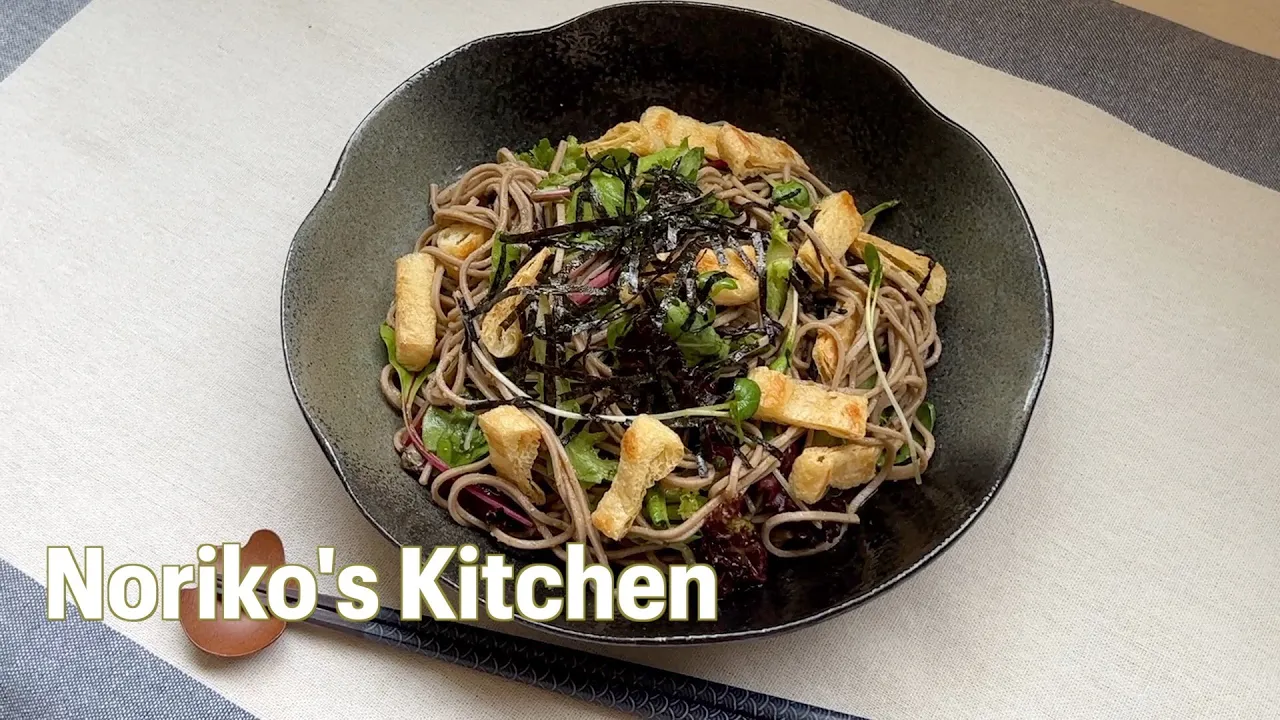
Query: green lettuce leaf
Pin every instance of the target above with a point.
(503, 259)
(690, 502)
(702, 341)
(683, 159)
(567, 424)
(585, 458)
(716, 206)
(555, 180)
(616, 330)
(609, 191)
(388, 334)
(778, 261)
(410, 382)
(540, 155)
(664, 158)
(453, 436)
(575, 159)
(927, 415)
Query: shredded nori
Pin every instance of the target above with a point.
(650, 243)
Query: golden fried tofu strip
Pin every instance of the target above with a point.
(838, 225)
(914, 264)
(504, 342)
(650, 451)
(630, 135)
(824, 346)
(743, 273)
(513, 446)
(749, 153)
(843, 467)
(462, 239)
(674, 128)
(415, 310)
(805, 404)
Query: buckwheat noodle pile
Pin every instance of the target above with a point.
(593, 348)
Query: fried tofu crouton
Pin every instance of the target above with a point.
(649, 452)
(674, 128)
(818, 468)
(513, 446)
(742, 273)
(415, 310)
(838, 225)
(748, 153)
(914, 264)
(805, 404)
(824, 347)
(462, 239)
(504, 342)
(630, 135)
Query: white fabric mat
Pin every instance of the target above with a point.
(156, 158)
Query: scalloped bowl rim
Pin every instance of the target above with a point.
(1037, 380)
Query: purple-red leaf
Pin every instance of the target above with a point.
(493, 507)
(732, 545)
(597, 281)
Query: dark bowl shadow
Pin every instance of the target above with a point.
(858, 122)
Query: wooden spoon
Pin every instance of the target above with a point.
(243, 636)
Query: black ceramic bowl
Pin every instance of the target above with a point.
(856, 120)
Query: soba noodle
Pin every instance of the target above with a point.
(504, 197)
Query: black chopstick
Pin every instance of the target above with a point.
(637, 689)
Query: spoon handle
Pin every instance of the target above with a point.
(632, 688)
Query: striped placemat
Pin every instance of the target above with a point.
(154, 154)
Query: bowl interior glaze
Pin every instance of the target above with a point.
(854, 118)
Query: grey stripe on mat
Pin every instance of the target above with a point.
(26, 24)
(1208, 98)
(82, 670)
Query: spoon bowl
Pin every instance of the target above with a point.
(226, 637)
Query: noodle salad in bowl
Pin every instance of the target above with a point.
(673, 343)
